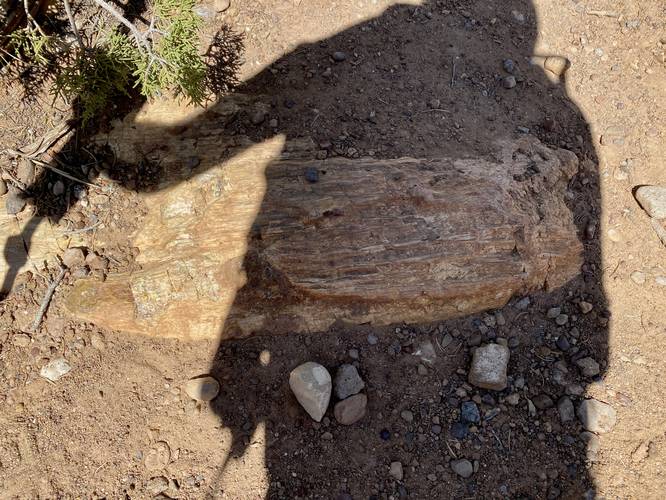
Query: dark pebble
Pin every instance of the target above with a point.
(339, 56)
(509, 66)
(385, 435)
(289, 103)
(563, 343)
(459, 431)
(312, 175)
(514, 342)
(469, 412)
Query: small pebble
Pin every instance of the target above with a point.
(258, 117)
(553, 312)
(469, 412)
(653, 200)
(566, 409)
(14, 202)
(588, 367)
(339, 56)
(407, 416)
(372, 339)
(556, 64)
(638, 277)
(585, 307)
(202, 388)
(509, 66)
(509, 82)
(462, 467)
(396, 470)
(55, 369)
(596, 416)
(312, 175)
(73, 257)
(58, 188)
(157, 485)
(614, 235)
(347, 381)
(523, 303)
(562, 319)
(351, 410)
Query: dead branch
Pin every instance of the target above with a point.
(47, 298)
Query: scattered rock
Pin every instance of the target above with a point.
(459, 431)
(563, 343)
(638, 277)
(353, 353)
(509, 82)
(562, 319)
(347, 381)
(407, 416)
(158, 456)
(58, 188)
(258, 117)
(221, 5)
(273, 123)
(14, 203)
(55, 369)
(327, 436)
(462, 467)
(97, 341)
(593, 445)
(21, 339)
(351, 410)
(372, 339)
(518, 16)
(553, 312)
(513, 399)
(73, 257)
(588, 367)
(157, 485)
(339, 56)
(614, 235)
(422, 370)
(542, 401)
(489, 365)
(642, 452)
(396, 470)
(585, 307)
(523, 303)
(556, 64)
(25, 171)
(312, 175)
(653, 200)
(311, 384)
(469, 412)
(202, 388)
(566, 409)
(97, 262)
(509, 66)
(596, 416)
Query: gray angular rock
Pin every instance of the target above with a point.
(462, 467)
(351, 410)
(653, 200)
(202, 388)
(593, 445)
(396, 470)
(347, 381)
(73, 257)
(14, 202)
(55, 369)
(489, 365)
(58, 188)
(311, 384)
(596, 416)
(566, 409)
(588, 367)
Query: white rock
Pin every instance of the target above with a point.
(202, 388)
(55, 369)
(311, 384)
(653, 200)
(489, 365)
(396, 470)
(597, 416)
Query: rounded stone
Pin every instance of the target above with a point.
(556, 64)
(462, 467)
(351, 410)
(202, 388)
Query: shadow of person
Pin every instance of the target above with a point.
(422, 81)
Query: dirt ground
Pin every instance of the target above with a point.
(419, 80)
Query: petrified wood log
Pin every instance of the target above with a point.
(252, 244)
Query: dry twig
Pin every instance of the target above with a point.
(47, 298)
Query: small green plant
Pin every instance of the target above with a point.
(162, 57)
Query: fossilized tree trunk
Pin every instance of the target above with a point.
(248, 244)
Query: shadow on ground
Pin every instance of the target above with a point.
(423, 81)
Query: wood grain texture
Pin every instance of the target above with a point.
(247, 244)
